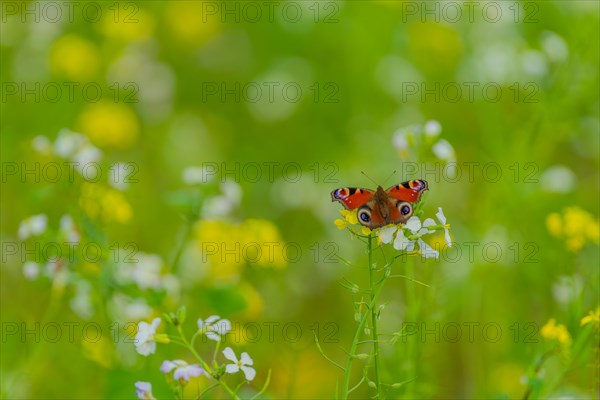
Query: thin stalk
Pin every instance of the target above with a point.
(374, 319)
(376, 291)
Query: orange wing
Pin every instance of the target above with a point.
(352, 198)
(410, 191)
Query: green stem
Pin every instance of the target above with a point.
(412, 314)
(373, 308)
(375, 292)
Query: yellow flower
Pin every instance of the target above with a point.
(255, 304)
(554, 224)
(552, 331)
(103, 202)
(592, 318)
(190, 22)
(576, 226)
(74, 57)
(226, 246)
(100, 350)
(349, 218)
(129, 26)
(109, 125)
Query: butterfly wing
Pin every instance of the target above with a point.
(352, 198)
(409, 191)
(400, 199)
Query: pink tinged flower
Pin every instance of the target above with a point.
(143, 390)
(244, 363)
(182, 369)
(144, 339)
(214, 327)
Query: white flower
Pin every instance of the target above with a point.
(444, 150)
(68, 143)
(68, 229)
(33, 226)
(146, 272)
(399, 140)
(426, 250)
(81, 303)
(42, 145)
(214, 327)
(558, 179)
(144, 339)
(143, 390)
(442, 218)
(386, 234)
(554, 46)
(244, 363)
(182, 369)
(31, 270)
(77, 148)
(402, 242)
(432, 128)
(197, 175)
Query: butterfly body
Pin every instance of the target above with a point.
(381, 207)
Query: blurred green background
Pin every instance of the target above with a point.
(160, 87)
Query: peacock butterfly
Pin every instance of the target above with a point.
(382, 207)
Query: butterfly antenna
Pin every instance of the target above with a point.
(363, 172)
(386, 179)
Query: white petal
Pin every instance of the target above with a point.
(200, 324)
(444, 150)
(413, 224)
(402, 243)
(426, 250)
(246, 360)
(440, 216)
(423, 231)
(210, 320)
(167, 366)
(429, 222)
(222, 327)
(232, 368)
(432, 128)
(188, 372)
(230, 355)
(155, 324)
(447, 236)
(249, 372)
(386, 234)
(146, 348)
(213, 336)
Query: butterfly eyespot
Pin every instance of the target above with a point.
(404, 208)
(364, 215)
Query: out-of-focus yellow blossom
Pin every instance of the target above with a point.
(255, 304)
(100, 351)
(128, 25)
(74, 57)
(350, 218)
(191, 23)
(559, 332)
(576, 226)
(99, 201)
(228, 246)
(592, 318)
(109, 125)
